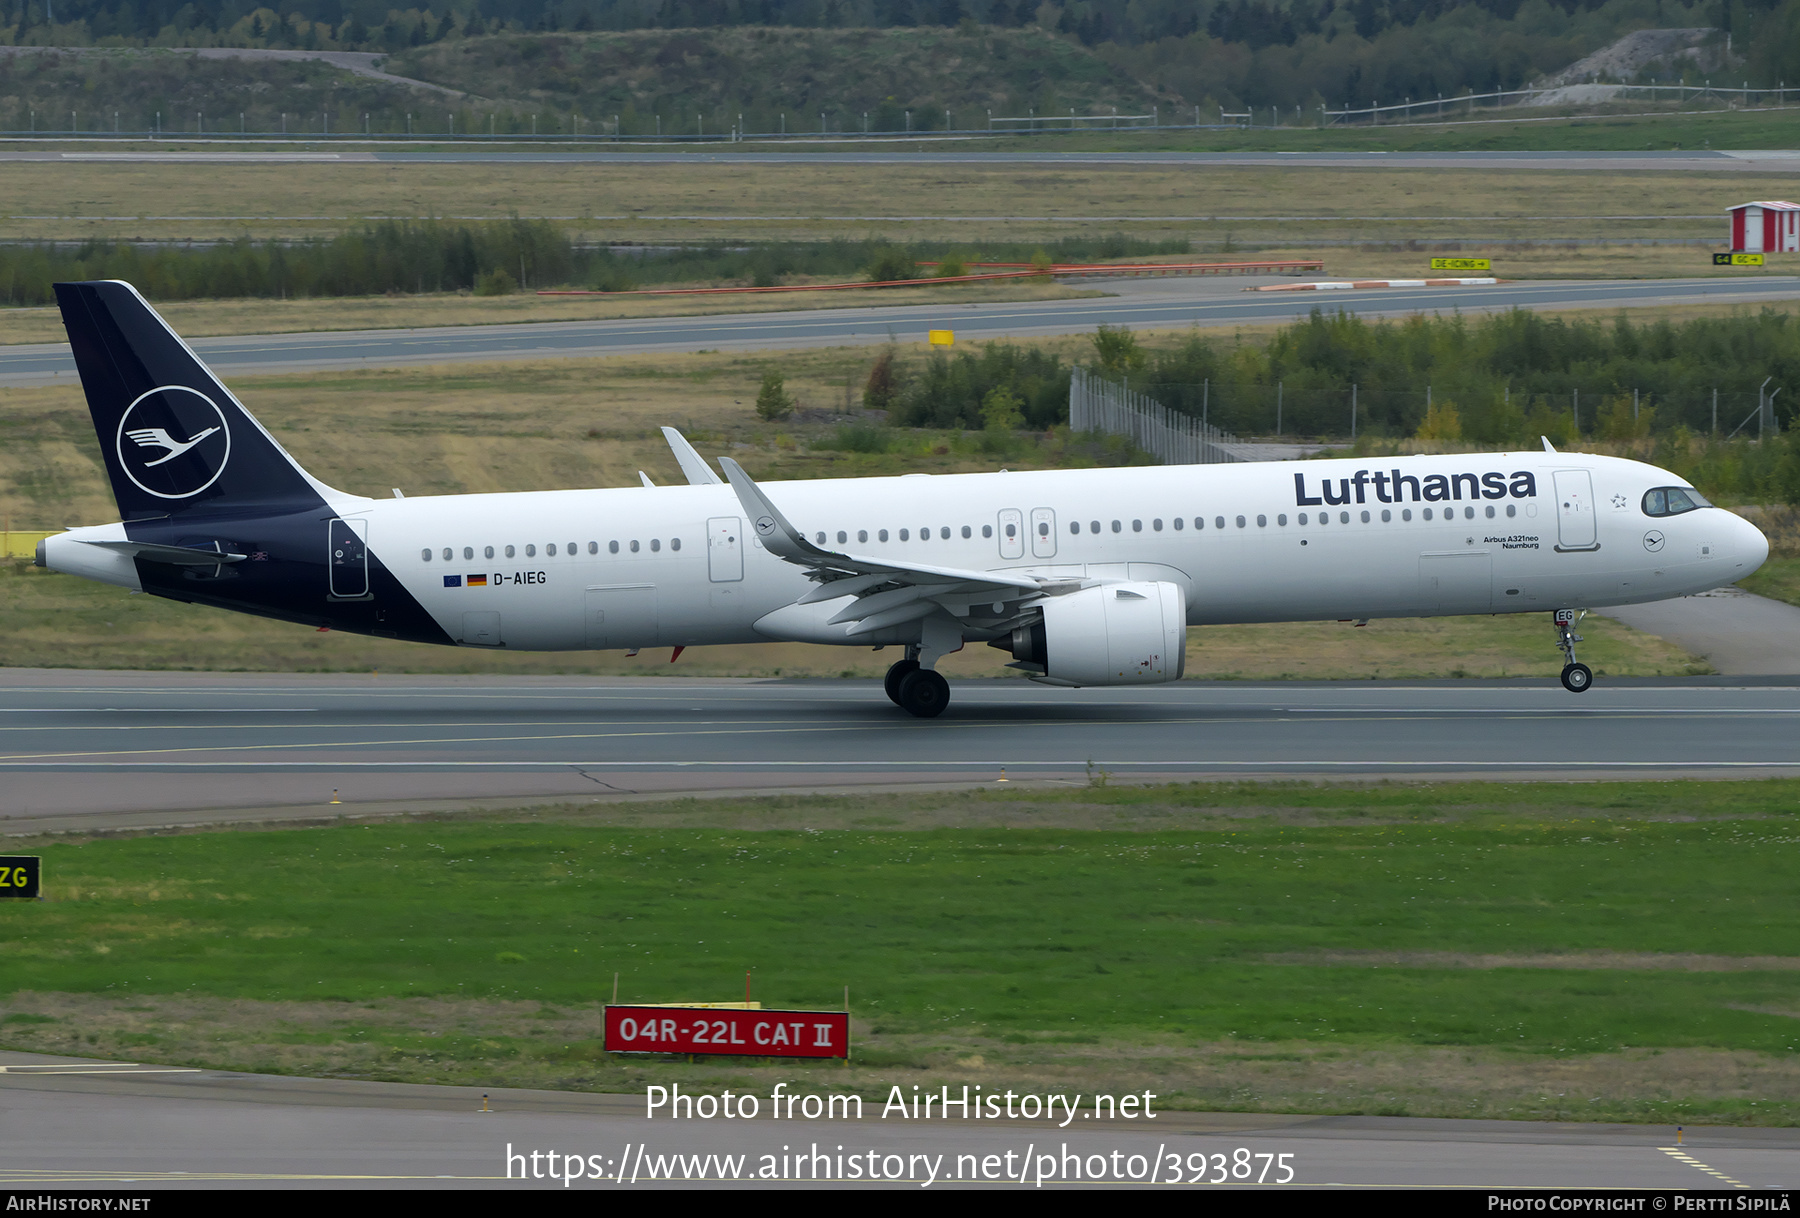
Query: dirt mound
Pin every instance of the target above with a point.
(1630, 55)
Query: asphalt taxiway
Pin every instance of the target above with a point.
(73, 1123)
(1144, 304)
(92, 750)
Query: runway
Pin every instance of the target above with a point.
(1140, 304)
(69, 1122)
(93, 750)
(979, 150)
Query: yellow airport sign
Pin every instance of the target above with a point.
(1737, 259)
(942, 338)
(1462, 264)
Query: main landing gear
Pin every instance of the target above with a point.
(1576, 677)
(919, 691)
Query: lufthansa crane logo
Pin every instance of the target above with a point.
(765, 525)
(173, 442)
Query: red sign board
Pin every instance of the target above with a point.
(716, 1030)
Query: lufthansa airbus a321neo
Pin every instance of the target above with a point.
(1087, 577)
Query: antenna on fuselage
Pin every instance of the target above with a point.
(1548, 447)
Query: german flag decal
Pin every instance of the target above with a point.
(477, 581)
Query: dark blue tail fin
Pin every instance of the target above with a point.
(174, 439)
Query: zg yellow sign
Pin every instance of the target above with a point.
(20, 875)
(1737, 259)
(942, 338)
(1462, 264)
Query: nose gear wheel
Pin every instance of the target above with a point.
(1576, 676)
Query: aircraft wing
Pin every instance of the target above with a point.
(887, 593)
(693, 465)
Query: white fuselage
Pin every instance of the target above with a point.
(1414, 536)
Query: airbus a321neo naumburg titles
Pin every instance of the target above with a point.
(1087, 577)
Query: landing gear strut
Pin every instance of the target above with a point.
(1576, 677)
(918, 691)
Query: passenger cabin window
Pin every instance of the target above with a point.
(1672, 501)
(967, 532)
(634, 548)
(449, 553)
(1074, 527)
(488, 553)
(862, 534)
(531, 551)
(510, 551)
(655, 544)
(593, 548)
(987, 530)
(1178, 524)
(549, 550)
(612, 547)
(425, 555)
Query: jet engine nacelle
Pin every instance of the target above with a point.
(1116, 634)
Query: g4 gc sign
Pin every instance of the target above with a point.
(20, 876)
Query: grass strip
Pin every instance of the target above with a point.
(1091, 933)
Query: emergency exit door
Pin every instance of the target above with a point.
(347, 559)
(725, 549)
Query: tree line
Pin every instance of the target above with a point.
(1283, 53)
(491, 258)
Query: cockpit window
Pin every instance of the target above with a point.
(1672, 501)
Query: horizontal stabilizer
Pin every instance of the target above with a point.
(179, 556)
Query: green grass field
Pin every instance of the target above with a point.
(1227, 932)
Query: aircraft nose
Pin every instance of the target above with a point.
(1752, 547)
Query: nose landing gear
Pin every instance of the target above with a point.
(1576, 677)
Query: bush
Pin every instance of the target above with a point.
(951, 266)
(772, 401)
(878, 390)
(1117, 349)
(891, 265)
(496, 283)
(861, 438)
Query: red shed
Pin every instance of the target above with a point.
(1766, 227)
